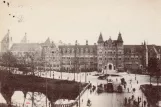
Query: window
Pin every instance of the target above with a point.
(86, 50)
(81, 50)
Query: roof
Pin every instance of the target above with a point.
(78, 46)
(119, 39)
(158, 48)
(93, 47)
(100, 39)
(153, 49)
(6, 37)
(24, 39)
(113, 42)
(138, 49)
(26, 47)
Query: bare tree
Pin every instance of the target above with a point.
(154, 68)
(8, 60)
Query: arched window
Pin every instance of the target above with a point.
(91, 50)
(77, 50)
(68, 50)
(86, 50)
(72, 50)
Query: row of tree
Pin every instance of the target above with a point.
(25, 63)
(154, 68)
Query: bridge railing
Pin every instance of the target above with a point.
(75, 101)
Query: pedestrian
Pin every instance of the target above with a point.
(129, 101)
(137, 82)
(134, 102)
(128, 90)
(138, 99)
(125, 101)
(132, 97)
(144, 103)
(53, 76)
(134, 90)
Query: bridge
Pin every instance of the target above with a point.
(53, 89)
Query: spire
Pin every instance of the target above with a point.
(47, 41)
(6, 37)
(76, 42)
(86, 42)
(24, 39)
(144, 43)
(110, 38)
(100, 39)
(119, 39)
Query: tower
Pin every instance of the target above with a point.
(100, 48)
(6, 42)
(119, 53)
(24, 40)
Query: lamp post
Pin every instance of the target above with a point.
(75, 59)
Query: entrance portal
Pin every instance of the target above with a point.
(110, 67)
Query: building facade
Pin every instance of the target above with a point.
(105, 55)
(82, 57)
(110, 53)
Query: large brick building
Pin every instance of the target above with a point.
(105, 55)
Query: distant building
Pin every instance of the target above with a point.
(110, 53)
(84, 57)
(51, 55)
(6, 42)
(105, 55)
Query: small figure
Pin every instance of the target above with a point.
(53, 76)
(134, 90)
(144, 103)
(132, 97)
(128, 90)
(125, 101)
(129, 101)
(89, 103)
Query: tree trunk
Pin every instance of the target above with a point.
(150, 79)
(32, 99)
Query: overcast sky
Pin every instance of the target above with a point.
(70, 20)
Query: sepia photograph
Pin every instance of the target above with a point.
(80, 53)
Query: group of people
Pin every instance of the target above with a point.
(137, 103)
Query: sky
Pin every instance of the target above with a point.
(70, 20)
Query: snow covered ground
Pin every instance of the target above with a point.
(97, 100)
